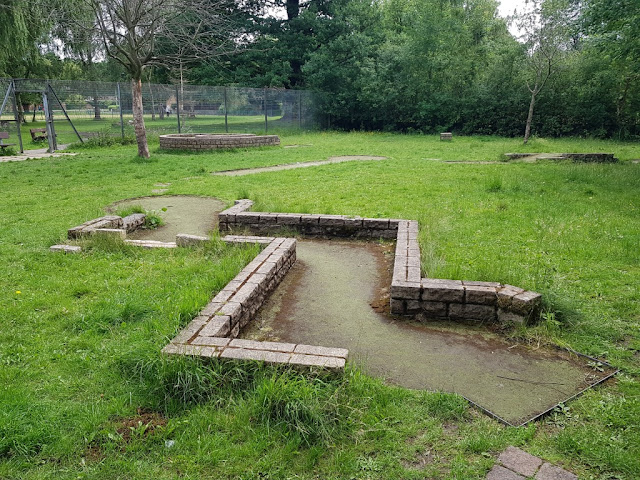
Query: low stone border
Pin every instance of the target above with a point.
(411, 295)
(209, 141)
(212, 333)
(108, 223)
(237, 217)
(576, 157)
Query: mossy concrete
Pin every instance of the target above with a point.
(335, 294)
(180, 213)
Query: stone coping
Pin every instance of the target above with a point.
(411, 295)
(210, 141)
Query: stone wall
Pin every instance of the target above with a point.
(411, 295)
(238, 218)
(190, 141)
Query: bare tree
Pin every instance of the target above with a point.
(544, 34)
(142, 33)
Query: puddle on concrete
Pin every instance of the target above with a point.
(332, 297)
(180, 213)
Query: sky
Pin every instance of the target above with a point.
(506, 6)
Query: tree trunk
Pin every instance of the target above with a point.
(138, 119)
(527, 130)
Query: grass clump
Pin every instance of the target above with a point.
(152, 219)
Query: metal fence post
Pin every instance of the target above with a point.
(16, 117)
(266, 124)
(48, 116)
(120, 108)
(178, 109)
(226, 121)
(300, 109)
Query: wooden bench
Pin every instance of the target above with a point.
(38, 134)
(446, 136)
(4, 136)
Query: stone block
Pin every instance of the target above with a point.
(414, 306)
(269, 218)
(288, 219)
(65, 248)
(117, 233)
(473, 283)
(331, 220)
(470, 311)
(255, 355)
(413, 274)
(306, 219)
(186, 240)
(247, 218)
(441, 291)
(375, 223)
(134, 221)
(526, 302)
(483, 295)
(219, 342)
(398, 307)
(233, 310)
(507, 317)
(520, 461)
(405, 290)
(211, 308)
(550, 472)
(322, 351)
(434, 309)
(317, 361)
(151, 244)
(270, 346)
(501, 473)
(217, 326)
(506, 294)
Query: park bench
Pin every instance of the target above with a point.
(4, 136)
(446, 136)
(38, 134)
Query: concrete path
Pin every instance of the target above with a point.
(291, 166)
(516, 464)
(37, 153)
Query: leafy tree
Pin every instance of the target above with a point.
(141, 33)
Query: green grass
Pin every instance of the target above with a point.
(81, 334)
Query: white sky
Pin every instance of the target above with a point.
(507, 6)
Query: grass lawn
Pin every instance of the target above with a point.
(85, 392)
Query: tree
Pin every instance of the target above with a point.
(545, 36)
(613, 27)
(143, 33)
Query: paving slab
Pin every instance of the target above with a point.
(291, 166)
(501, 473)
(551, 472)
(520, 461)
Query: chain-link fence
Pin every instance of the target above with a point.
(105, 108)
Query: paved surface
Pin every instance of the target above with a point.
(516, 464)
(275, 168)
(37, 153)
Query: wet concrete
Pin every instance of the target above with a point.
(333, 297)
(291, 166)
(180, 214)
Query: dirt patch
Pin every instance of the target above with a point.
(332, 297)
(141, 425)
(291, 166)
(180, 214)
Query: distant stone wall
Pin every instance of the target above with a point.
(196, 141)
